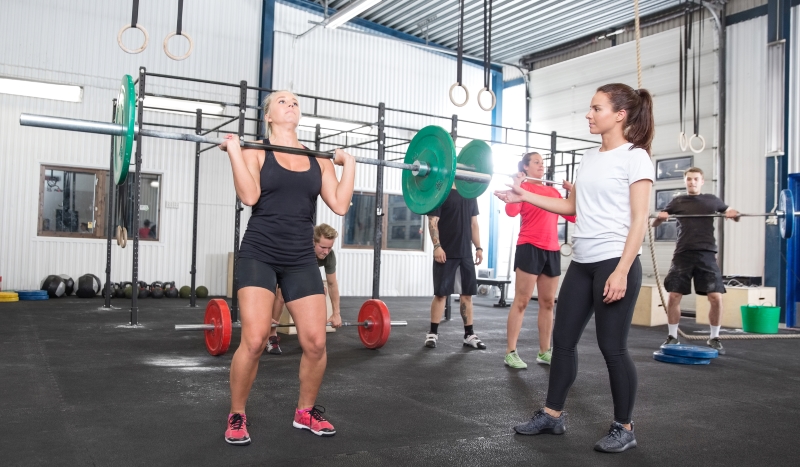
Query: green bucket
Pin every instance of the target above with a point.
(760, 319)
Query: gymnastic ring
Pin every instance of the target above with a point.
(140, 49)
(494, 99)
(122, 236)
(184, 56)
(682, 141)
(569, 249)
(702, 140)
(466, 91)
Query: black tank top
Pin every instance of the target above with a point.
(281, 228)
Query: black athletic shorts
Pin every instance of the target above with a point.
(444, 277)
(700, 265)
(534, 260)
(295, 281)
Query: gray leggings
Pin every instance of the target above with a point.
(581, 295)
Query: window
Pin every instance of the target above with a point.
(73, 203)
(149, 203)
(673, 169)
(668, 231)
(402, 229)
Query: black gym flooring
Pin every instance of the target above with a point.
(79, 387)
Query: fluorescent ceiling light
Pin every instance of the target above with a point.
(23, 87)
(330, 126)
(349, 12)
(154, 184)
(164, 104)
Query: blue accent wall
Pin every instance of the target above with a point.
(494, 203)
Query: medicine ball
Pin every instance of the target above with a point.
(201, 292)
(186, 291)
(88, 286)
(69, 284)
(144, 289)
(54, 285)
(128, 290)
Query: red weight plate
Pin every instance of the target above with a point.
(219, 339)
(377, 333)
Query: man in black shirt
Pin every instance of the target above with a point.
(453, 227)
(695, 255)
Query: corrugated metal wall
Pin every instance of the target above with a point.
(360, 67)
(562, 92)
(746, 145)
(75, 43)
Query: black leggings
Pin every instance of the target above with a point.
(582, 294)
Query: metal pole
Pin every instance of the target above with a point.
(722, 87)
(137, 200)
(377, 241)
(551, 169)
(238, 208)
(193, 271)
(109, 217)
(317, 144)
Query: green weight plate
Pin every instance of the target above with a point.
(786, 222)
(478, 155)
(125, 116)
(434, 146)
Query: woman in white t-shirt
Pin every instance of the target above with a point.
(611, 197)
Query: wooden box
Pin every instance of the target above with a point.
(649, 311)
(732, 302)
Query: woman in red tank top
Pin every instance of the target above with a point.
(537, 262)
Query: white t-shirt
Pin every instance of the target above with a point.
(603, 204)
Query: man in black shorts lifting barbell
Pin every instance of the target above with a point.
(695, 255)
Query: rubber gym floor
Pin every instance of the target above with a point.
(80, 387)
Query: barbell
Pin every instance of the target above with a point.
(429, 164)
(374, 325)
(785, 214)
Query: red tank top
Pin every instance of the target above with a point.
(539, 227)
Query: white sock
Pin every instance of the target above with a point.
(714, 331)
(673, 330)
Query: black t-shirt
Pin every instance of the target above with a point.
(455, 224)
(696, 233)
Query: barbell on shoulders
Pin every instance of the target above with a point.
(374, 325)
(429, 165)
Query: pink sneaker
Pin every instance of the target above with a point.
(312, 419)
(237, 430)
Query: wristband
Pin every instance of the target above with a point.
(437, 245)
(479, 249)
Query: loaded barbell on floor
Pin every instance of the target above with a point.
(785, 213)
(374, 325)
(429, 164)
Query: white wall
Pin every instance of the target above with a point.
(357, 66)
(746, 145)
(76, 43)
(794, 95)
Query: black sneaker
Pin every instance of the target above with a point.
(274, 345)
(618, 439)
(542, 422)
(715, 343)
(671, 340)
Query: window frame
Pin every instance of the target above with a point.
(670, 159)
(101, 200)
(674, 191)
(385, 228)
(101, 204)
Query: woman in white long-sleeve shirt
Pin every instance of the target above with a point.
(611, 197)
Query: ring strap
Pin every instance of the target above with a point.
(180, 18)
(460, 55)
(135, 14)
